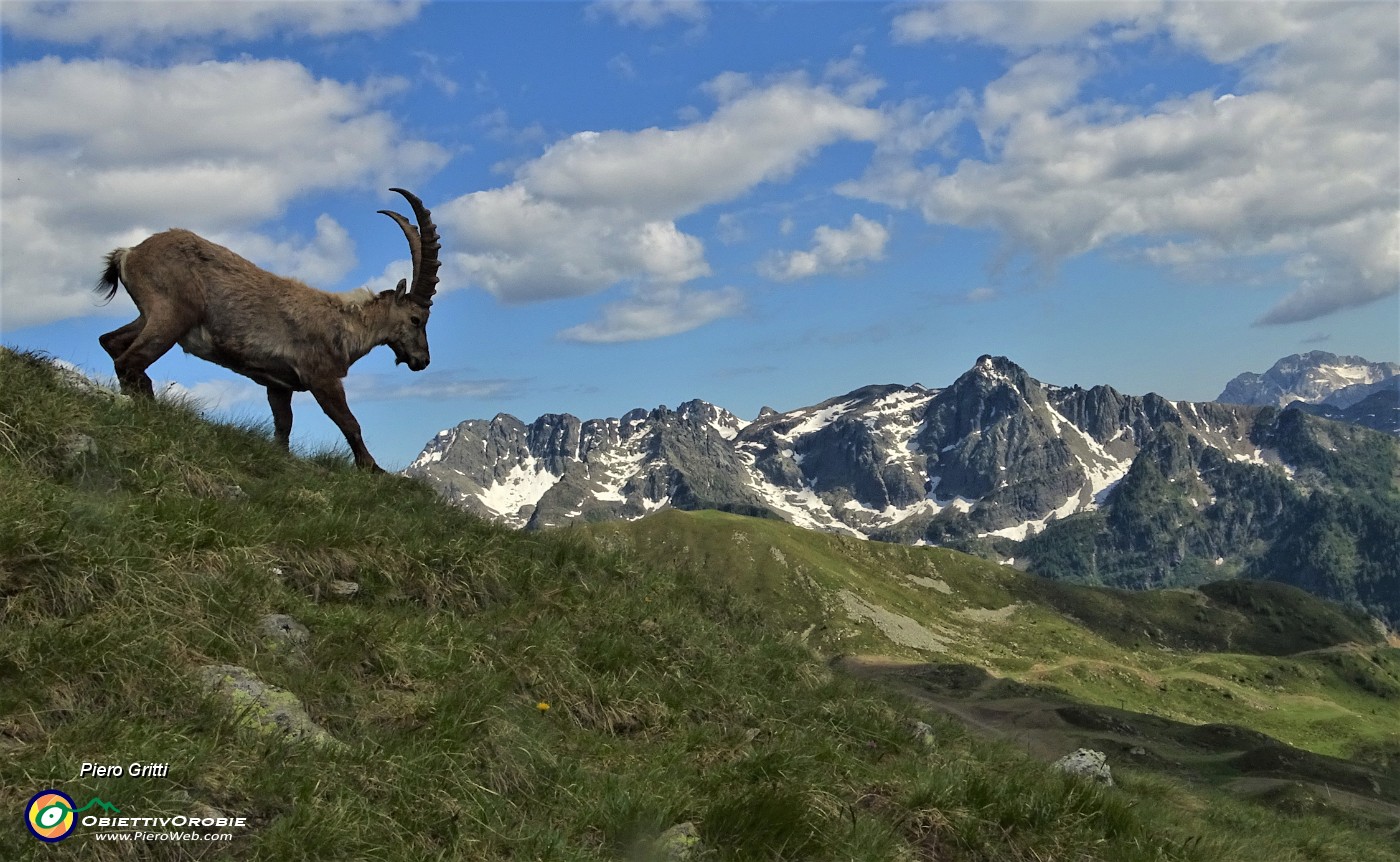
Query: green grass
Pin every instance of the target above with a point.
(671, 697)
(1252, 653)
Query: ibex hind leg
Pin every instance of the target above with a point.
(148, 345)
(117, 341)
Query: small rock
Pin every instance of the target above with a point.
(680, 843)
(1137, 751)
(262, 708)
(76, 379)
(922, 733)
(1088, 763)
(228, 492)
(343, 589)
(196, 810)
(75, 448)
(284, 636)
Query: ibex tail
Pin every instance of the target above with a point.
(110, 277)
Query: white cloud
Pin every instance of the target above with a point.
(1300, 166)
(621, 66)
(141, 23)
(832, 249)
(729, 228)
(656, 313)
(90, 161)
(1023, 23)
(600, 208)
(761, 134)
(650, 14)
(216, 395)
(1038, 84)
(325, 259)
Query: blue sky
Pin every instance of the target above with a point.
(750, 203)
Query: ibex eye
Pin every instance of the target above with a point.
(416, 321)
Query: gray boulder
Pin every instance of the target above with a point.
(1088, 763)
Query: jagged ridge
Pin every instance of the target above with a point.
(998, 445)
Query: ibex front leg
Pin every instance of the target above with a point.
(331, 397)
(279, 398)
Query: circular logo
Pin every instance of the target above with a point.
(49, 815)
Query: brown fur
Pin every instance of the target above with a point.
(277, 331)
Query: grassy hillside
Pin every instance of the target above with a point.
(484, 694)
(1256, 654)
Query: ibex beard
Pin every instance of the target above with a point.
(277, 331)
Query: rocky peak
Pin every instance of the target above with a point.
(990, 392)
(1315, 377)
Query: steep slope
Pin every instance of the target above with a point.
(1316, 377)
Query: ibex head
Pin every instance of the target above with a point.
(409, 306)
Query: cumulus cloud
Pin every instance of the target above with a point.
(758, 134)
(132, 23)
(600, 208)
(832, 249)
(650, 14)
(90, 162)
(657, 313)
(1300, 166)
(324, 259)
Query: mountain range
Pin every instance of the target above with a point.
(1086, 484)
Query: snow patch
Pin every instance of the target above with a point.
(1021, 532)
(523, 486)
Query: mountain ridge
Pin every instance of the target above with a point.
(1087, 484)
(878, 458)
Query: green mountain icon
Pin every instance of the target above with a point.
(100, 803)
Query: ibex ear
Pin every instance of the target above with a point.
(401, 289)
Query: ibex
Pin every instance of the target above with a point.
(277, 331)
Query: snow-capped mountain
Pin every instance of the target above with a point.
(1087, 484)
(1317, 377)
(1009, 452)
